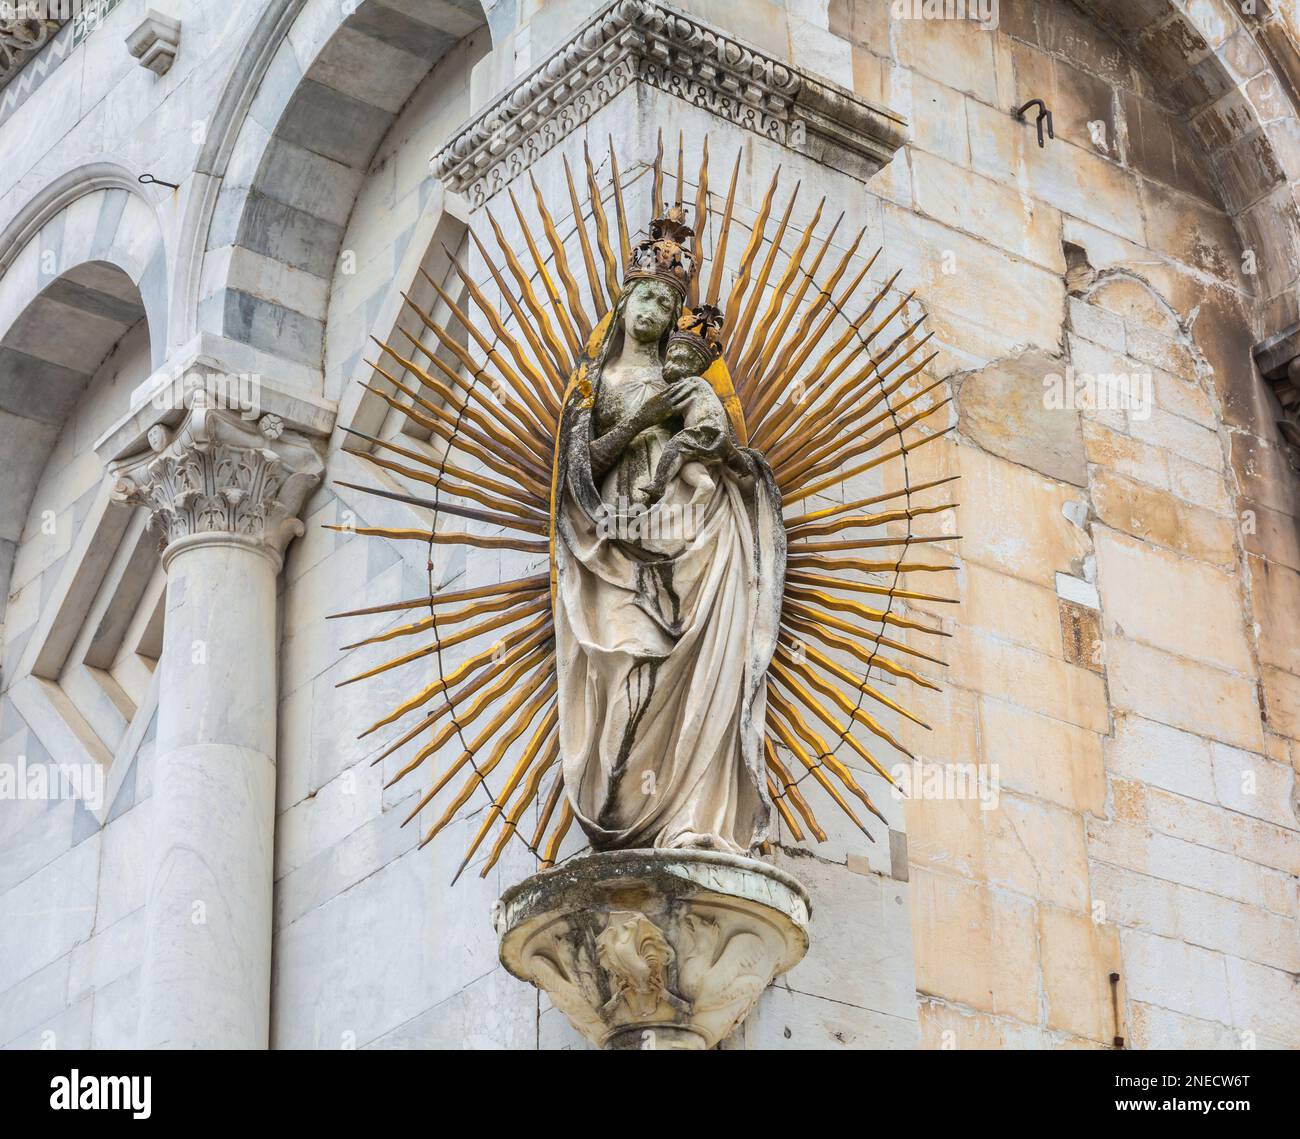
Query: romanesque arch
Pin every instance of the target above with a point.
(1216, 66)
(80, 270)
(329, 92)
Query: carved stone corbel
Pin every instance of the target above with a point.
(661, 949)
(155, 41)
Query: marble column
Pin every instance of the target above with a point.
(225, 493)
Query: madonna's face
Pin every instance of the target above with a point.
(650, 310)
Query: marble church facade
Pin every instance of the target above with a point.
(207, 212)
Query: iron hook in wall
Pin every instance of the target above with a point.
(150, 180)
(1043, 113)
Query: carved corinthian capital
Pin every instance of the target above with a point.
(219, 474)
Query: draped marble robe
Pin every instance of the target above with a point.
(663, 635)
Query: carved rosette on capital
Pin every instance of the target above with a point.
(220, 475)
(649, 949)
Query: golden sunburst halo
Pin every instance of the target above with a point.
(824, 394)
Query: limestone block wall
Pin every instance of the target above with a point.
(1118, 653)
(1105, 252)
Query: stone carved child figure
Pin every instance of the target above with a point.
(705, 430)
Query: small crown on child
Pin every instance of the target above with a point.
(664, 256)
(701, 328)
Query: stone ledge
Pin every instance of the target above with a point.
(688, 871)
(641, 41)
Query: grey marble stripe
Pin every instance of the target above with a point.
(301, 198)
(37, 389)
(308, 182)
(397, 30)
(338, 126)
(273, 328)
(299, 239)
(77, 296)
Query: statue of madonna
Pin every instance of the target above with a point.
(669, 556)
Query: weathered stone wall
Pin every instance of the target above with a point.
(1123, 648)
(1074, 524)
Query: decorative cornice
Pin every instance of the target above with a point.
(654, 948)
(641, 41)
(220, 476)
(1278, 359)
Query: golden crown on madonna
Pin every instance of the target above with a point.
(664, 255)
